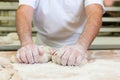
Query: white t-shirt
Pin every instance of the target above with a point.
(59, 22)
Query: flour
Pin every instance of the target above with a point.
(4, 62)
(4, 74)
(6, 69)
(97, 70)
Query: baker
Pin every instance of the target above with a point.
(68, 26)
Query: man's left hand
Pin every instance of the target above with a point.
(70, 55)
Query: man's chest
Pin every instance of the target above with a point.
(66, 6)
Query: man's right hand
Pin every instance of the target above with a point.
(29, 54)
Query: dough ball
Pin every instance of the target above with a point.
(13, 36)
(13, 59)
(46, 56)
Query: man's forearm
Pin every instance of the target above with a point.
(23, 25)
(94, 21)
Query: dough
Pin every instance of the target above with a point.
(44, 58)
(13, 36)
(5, 40)
(9, 39)
(13, 59)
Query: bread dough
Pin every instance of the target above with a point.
(13, 36)
(5, 40)
(44, 58)
(9, 39)
(13, 59)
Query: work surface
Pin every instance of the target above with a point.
(102, 65)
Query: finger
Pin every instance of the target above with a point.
(18, 57)
(65, 58)
(59, 55)
(72, 57)
(52, 52)
(71, 60)
(36, 54)
(58, 60)
(23, 56)
(29, 55)
(78, 60)
(60, 52)
(20, 53)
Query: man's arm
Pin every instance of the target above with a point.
(24, 16)
(76, 54)
(94, 21)
(29, 52)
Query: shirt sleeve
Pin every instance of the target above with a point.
(89, 2)
(31, 3)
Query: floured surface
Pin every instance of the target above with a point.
(100, 67)
(98, 70)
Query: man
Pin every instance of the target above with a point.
(69, 26)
